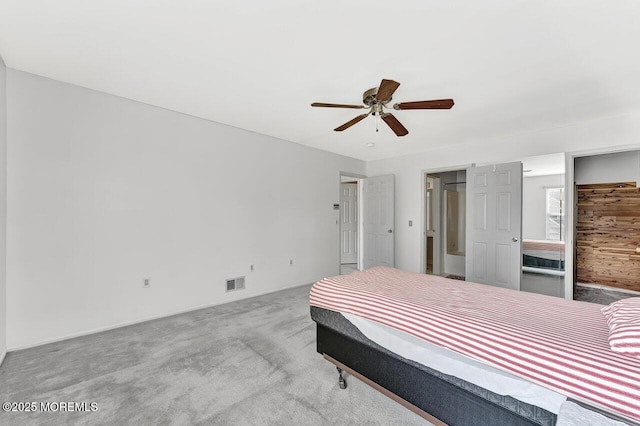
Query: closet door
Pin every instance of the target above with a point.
(494, 225)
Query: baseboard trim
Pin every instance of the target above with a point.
(2, 356)
(141, 320)
(608, 288)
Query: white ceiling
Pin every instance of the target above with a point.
(512, 67)
(542, 165)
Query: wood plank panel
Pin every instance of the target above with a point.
(608, 235)
(606, 185)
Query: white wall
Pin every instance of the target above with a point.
(3, 210)
(611, 131)
(606, 168)
(104, 192)
(534, 204)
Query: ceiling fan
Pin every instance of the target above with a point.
(376, 100)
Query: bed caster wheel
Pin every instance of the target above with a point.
(341, 381)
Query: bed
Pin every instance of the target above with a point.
(451, 352)
(543, 257)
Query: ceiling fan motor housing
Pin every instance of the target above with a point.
(369, 97)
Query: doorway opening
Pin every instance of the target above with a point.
(349, 224)
(445, 223)
(606, 211)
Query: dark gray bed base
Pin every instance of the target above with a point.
(447, 398)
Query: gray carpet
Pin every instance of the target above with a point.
(602, 295)
(251, 362)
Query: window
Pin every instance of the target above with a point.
(555, 213)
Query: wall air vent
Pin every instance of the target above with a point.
(235, 284)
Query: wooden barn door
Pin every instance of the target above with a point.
(608, 235)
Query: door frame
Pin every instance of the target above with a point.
(436, 220)
(570, 211)
(359, 178)
(423, 209)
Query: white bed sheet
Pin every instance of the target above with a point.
(572, 414)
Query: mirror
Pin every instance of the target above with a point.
(456, 221)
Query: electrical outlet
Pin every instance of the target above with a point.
(146, 283)
(290, 261)
(251, 268)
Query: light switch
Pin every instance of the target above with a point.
(410, 223)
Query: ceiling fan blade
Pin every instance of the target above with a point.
(386, 90)
(321, 104)
(394, 124)
(436, 104)
(351, 122)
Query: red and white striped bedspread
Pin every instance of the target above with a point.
(557, 343)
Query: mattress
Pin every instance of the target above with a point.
(543, 245)
(543, 255)
(557, 344)
(496, 381)
(454, 364)
(337, 322)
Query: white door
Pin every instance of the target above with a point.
(378, 226)
(494, 225)
(348, 223)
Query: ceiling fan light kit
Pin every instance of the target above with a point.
(377, 98)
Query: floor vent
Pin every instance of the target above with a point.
(235, 284)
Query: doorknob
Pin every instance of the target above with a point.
(390, 231)
(514, 239)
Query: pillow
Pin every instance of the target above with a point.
(623, 319)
